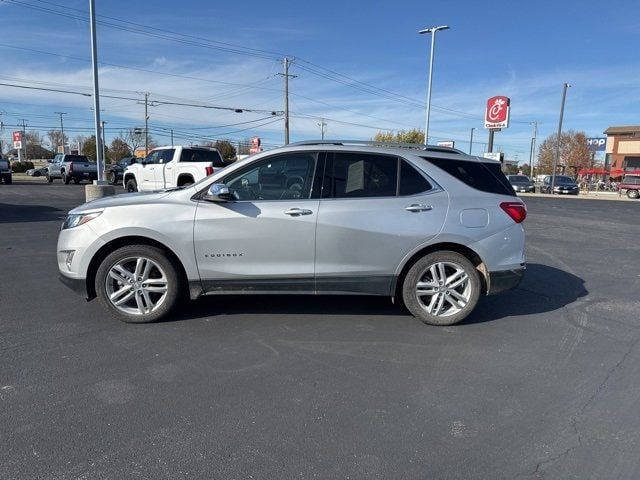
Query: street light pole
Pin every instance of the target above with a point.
(556, 159)
(96, 92)
(104, 141)
(533, 146)
(471, 140)
(432, 31)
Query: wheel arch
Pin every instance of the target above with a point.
(114, 244)
(470, 254)
(184, 178)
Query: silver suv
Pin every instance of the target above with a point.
(431, 226)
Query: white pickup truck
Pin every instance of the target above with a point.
(167, 167)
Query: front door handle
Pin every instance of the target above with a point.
(418, 208)
(295, 212)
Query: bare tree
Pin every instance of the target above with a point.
(574, 151)
(56, 139)
(134, 138)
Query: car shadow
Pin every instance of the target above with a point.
(11, 213)
(543, 289)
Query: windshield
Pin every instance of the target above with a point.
(563, 179)
(519, 179)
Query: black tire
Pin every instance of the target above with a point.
(76, 181)
(184, 182)
(633, 194)
(8, 180)
(131, 186)
(420, 270)
(66, 178)
(49, 178)
(155, 254)
(112, 178)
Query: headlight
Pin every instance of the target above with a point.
(78, 219)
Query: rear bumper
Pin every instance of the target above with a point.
(78, 285)
(504, 280)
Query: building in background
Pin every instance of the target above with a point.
(622, 154)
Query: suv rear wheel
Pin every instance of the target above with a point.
(138, 284)
(633, 194)
(441, 288)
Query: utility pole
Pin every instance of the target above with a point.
(471, 140)
(533, 145)
(556, 159)
(172, 137)
(96, 91)
(61, 127)
(286, 76)
(1, 131)
(146, 124)
(323, 127)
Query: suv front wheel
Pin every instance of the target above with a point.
(441, 288)
(138, 283)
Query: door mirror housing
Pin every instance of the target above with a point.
(218, 192)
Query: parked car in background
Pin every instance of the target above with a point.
(429, 226)
(630, 185)
(37, 172)
(116, 171)
(5, 171)
(564, 185)
(521, 183)
(72, 167)
(168, 167)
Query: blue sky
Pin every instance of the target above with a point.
(524, 50)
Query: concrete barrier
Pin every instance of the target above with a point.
(95, 191)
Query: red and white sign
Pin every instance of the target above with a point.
(446, 143)
(17, 136)
(255, 145)
(497, 113)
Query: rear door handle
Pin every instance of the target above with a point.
(418, 208)
(295, 212)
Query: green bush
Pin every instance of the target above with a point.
(21, 167)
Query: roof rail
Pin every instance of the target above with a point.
(414, 146)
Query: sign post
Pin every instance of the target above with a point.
(496, 116)
(17, 143)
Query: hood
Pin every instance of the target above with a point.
(123, 199)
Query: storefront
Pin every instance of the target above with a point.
(622, 151)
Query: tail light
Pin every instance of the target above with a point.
(208, 170)
(70, 167)
(516, 210)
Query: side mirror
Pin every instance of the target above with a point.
(218, 192)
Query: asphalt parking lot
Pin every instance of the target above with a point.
(541, 381)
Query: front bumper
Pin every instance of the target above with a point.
(78, 285)
(504, 280)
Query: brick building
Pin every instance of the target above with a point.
(622, 153)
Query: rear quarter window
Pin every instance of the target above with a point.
(483, 176)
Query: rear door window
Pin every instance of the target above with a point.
(411, 181)
(201, 156)
(358, 175)
(483, 176)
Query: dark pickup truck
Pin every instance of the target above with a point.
(631, 185)
(72, 167)
(5, 171)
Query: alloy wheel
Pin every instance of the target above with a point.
(443, 289)
(136, 285)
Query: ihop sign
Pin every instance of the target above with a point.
(597, 144)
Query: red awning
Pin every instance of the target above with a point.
(593, 171)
